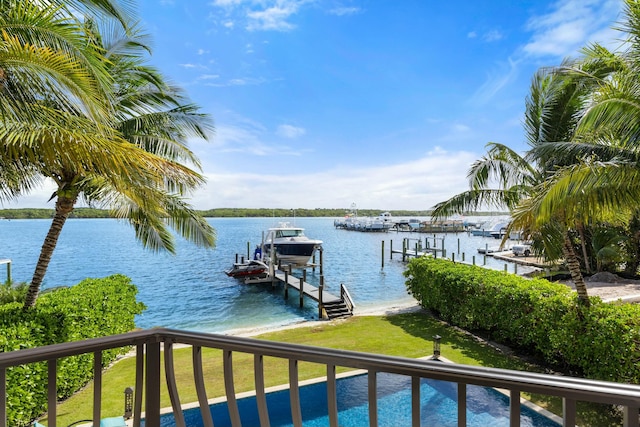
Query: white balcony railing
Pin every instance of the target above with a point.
(148, 374)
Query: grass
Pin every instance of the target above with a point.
(408, 335)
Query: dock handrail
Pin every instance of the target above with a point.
(346, 298)
(148, 376)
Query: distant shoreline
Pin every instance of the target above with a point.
(39, 213)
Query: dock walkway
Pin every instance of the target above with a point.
(329, 305)
(307, 288)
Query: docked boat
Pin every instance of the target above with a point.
(490, 229)
(499, 230)
(251, 268)
(290, 245)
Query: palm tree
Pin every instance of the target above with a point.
(151, 124)
(553, 109)
(606, 179)
(45, 55)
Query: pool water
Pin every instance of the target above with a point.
(485, 406)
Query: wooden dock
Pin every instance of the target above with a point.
(330, 306)
(307, 288)
(415, 248)
(413, 253)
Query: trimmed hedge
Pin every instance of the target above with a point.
(92, 308)
(539, 317)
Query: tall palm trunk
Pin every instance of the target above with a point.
(64, 206)
(583, 244)
(574, 268)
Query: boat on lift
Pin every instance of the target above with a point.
(289, 245)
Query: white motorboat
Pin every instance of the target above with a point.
(289, 245)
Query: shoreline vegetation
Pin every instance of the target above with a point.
(39, 213)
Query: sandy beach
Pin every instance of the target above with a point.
(378, 311)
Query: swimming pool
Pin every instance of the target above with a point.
(485, 406)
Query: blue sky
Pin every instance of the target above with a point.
(325, 103)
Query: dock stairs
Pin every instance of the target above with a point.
(337, 309)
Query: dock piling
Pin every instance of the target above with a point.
(301, 293)
(248, 250)
(286, 282)
(382, 257)
(404, 250)
(320, 305)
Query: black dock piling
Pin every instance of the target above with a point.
(301, 293)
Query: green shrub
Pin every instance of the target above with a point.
(535, 316)
(10, 292)
(92, 308)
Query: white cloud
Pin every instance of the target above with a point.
(571, 25)
(263, 15)
(343, 11)
(38, 198)
(209, 77)
(244, 137)
(562, 32)
(492, 36)
(410, 185)
(289, 131)
(504, 74)
(272, 18)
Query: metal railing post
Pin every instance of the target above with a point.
(152, 384)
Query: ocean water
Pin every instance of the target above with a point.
(190, 291)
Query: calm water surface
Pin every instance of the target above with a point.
(190, 290)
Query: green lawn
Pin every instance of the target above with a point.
(408, 335)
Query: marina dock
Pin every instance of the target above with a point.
(415, 248)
